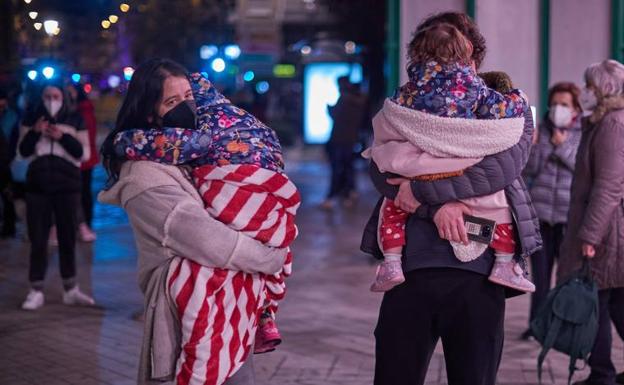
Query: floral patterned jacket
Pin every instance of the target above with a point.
(456, 91)
(225, 135)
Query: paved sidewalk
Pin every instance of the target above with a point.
(327, 319)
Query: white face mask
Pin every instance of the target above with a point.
(53, 106)
(588, 100)
(561, 116)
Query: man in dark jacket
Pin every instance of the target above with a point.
(348, 116)
(443, 298)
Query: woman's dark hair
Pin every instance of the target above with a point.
(568, 87)
(139, 108)
(464, 24)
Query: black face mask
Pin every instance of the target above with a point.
(182, 115)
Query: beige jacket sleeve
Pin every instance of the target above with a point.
(171, 217)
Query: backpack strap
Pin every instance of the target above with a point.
(548, 343)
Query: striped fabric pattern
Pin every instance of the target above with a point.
(219, 309)
(258, 202)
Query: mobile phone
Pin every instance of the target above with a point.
(479, 230)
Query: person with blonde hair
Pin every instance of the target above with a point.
(596, 217)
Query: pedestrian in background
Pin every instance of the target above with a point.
(596, 219)
(56, 139)
(85, 108)
(9, 132)
(550, 170)
(348, 116)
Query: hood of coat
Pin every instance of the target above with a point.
(449, 137)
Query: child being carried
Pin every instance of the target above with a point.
(418, 135)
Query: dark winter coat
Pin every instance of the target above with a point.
(348, 115)
(55, 167)
(550, 170)
(424, 248)
(597, 200)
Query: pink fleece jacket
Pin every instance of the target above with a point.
(413, 143)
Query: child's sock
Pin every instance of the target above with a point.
(391, 257)
(503, 257)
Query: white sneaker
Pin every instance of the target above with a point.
(34, 300)
(86, 234)
(75, 297)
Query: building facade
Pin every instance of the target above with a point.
(538, 42)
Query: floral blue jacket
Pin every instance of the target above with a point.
(225, 135)
(456, 91)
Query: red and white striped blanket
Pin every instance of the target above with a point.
(258, 202)
(219, 309)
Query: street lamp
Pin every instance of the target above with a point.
(51, 27)
(33, 15)
(218, 65)
(48, 72)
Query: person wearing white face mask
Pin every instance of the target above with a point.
(549, 172)
(57, 142)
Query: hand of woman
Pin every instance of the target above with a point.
(405, 198)
(558, 137)
(588, 250)
(450, 222)
(53, 132)
(41, 125)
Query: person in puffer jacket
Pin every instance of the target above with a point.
(416, 136)
(549, 171)
(56, 140)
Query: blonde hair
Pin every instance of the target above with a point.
(607, 77)
(440, 42)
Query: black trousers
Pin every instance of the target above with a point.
(542, 263)
(9, 216)
(86, 198)
(40, 210)
(341, 159)
(611, 309)
(461, 308)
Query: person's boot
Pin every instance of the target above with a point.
(527, 335)
(389, 274)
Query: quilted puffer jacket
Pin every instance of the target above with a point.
(424, 248)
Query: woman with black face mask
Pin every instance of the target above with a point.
(57, 141)
(169, 220)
